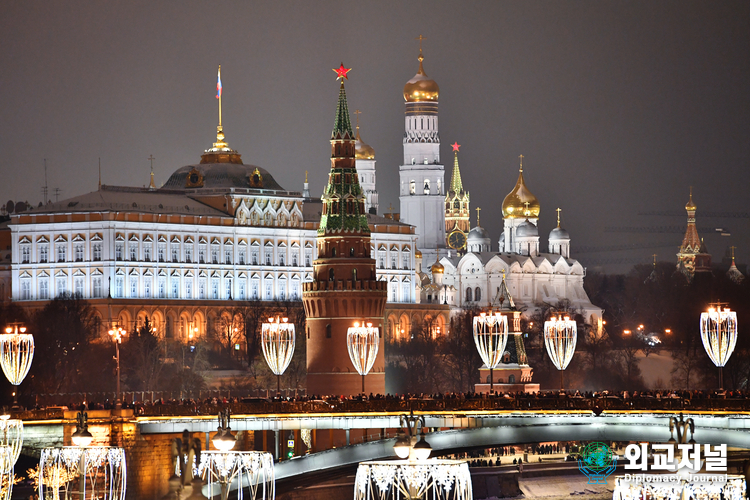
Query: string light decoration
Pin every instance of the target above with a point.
(491, 337)
(250, 472)
(84, 472)
(277, 340)
(719, 335)
(403, 479)
(363, 342)
(11, 442)
(560, 337)
(16, 353)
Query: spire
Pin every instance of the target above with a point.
(343, 200)
(151, 185)
(735, 274)
(306, 188)
(342, 125)
(220, 152)
(504, 300)
(456, 184)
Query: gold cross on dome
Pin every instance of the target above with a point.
(558, 210)
(390, 207)
(732, 249)
(654, 256)
(151, 159)
(521, 157)
(478, 210)
(420, 38)
(357, 112)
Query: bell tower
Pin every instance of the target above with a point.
(344, 287)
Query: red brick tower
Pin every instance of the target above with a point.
(344, 287)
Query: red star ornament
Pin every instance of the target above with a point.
(341, 72)
(455, 146)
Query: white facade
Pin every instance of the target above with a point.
(366, 173)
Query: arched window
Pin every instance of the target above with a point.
(328, 331)
(468, 295)
(331, 274)
(477, 294)
(351, 252)
(354, 275)
(511, 379)
(333, 252)
(412, 185)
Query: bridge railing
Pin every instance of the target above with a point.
(453, 405)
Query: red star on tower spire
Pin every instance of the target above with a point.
(455, 146)
(341, 72)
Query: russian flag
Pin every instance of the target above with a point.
(218, 85)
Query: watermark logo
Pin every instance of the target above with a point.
(597, 462)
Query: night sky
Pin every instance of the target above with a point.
(617, 107)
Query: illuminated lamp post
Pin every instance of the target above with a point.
(117, 332)
(11, 442)
(277, 339)
(719, 335)
(560, 337)
(490, 337)
(363, 342)
(224, 440)
(16, 354)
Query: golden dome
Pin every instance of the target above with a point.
(363, 151)
(690, 205)
(437, 268)
(520, 202)
(421, 88)
(418, 254)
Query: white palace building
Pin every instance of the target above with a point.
(221, 233)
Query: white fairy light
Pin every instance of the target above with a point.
(491, 337)
(719, 335)
(252, 471)
(11, 442)
(397, 479)
(560, 337)
(277, 340)
(104, 472)
(16, 353)
(363, 343)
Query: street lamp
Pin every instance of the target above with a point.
(363, 343)
(490, 337)
(117, 332)
(406, 443)
(11, 442)
(16, 354)
(560, 336)
(82, 437)
(224, 440)
(277, 340)
(719, 335)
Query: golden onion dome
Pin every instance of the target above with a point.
(418, 254)
(690, 205)
(437, 268)
(363, 151)
(520, 202)
(421, 88)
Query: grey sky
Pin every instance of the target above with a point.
(617, 107)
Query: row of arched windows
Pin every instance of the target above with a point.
(474, 295)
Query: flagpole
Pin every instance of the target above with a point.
(220, 96)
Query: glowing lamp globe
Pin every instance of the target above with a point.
(224, 440)
(422, 449)
(719, 335)
(277, 341)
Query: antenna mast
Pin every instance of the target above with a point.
(45, 189)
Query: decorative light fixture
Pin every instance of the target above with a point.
(719, 335)
(682, 427)
(11, 442)
(82, 437)
(490, 337)
(16, 355)
(117, 332)
(253, 470)
(74, 472)
(400, 479)
(560, 337)
(277, 340)
(224, 440)
(363, 342)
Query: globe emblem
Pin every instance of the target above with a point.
(597, 462)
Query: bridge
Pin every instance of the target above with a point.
(454, 424)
